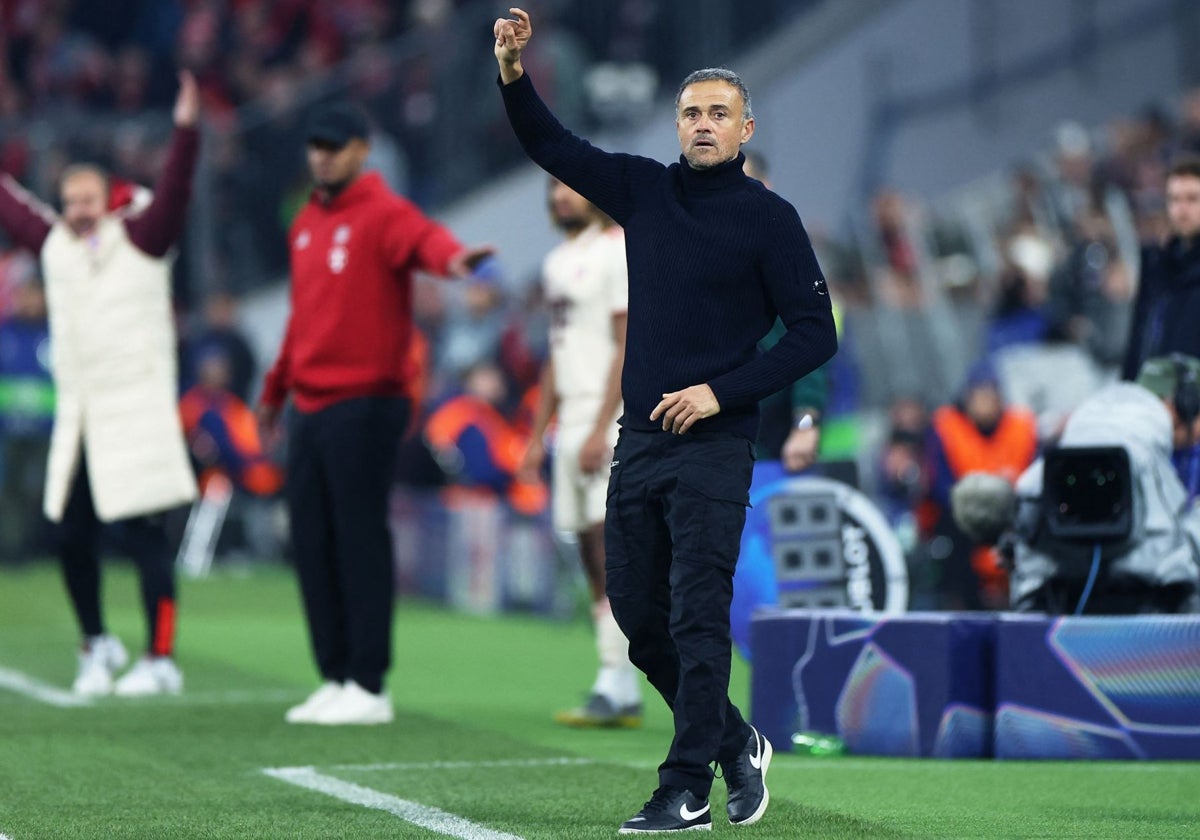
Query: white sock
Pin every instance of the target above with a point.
(617, 678)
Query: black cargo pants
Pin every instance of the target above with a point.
(676, 507)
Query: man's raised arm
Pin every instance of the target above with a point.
(605, 179)
(159, 227)
(26, 219)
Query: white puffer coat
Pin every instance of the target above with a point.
(113, 357)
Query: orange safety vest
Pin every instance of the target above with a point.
(258, 475)
(505, 445)
(1006, 453)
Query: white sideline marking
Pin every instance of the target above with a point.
(5, 837)
(37, 690)
(231, 697)
(425, 816)
(465, 765)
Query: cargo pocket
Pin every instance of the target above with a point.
(615, 524)
(710, 508)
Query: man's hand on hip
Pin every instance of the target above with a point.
(679, 410)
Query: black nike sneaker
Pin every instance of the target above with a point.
(670, 809)
(746, 779)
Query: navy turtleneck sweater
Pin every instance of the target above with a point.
(713, 257)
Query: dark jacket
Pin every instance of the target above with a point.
(1166, 315)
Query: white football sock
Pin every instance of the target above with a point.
(617, 678)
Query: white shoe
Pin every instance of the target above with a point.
(306, 711)
(100, 659)
(151, 675)
(355, 705)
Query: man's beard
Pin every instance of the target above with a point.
(571, 224)
(331, 189)
(83, 227)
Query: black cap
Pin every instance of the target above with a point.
(336, 124)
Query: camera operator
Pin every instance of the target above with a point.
(1154, 567)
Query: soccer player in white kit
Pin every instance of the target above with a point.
(586, 288)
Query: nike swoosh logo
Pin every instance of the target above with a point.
(689, 815)
(756, 760)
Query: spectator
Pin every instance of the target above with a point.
(1089, 294)
(473, 331)
(977, 433)
(221, 430)
(1017, 317)
(26, 417)
(1189, 126)
(902, 482)
(17, 270)
(901, 259)
(222, 335)
(1167, 309)
(478, 448)
(1175, 380)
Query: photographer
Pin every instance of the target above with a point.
(1154, 566)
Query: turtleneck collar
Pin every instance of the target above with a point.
(722, 176)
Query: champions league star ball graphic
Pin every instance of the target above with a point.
(814, 542)
(1100, 688)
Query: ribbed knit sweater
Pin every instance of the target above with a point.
(713, 257)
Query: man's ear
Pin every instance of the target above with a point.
(747, 129)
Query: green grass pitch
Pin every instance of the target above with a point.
(473, 738)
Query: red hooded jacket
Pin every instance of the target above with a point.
(350, 327)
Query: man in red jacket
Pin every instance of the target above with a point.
(345, 362)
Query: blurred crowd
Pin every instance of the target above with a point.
(100, 74)
(999, 307)
(1014, 297)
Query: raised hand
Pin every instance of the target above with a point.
(511, 38)
(187, 102)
